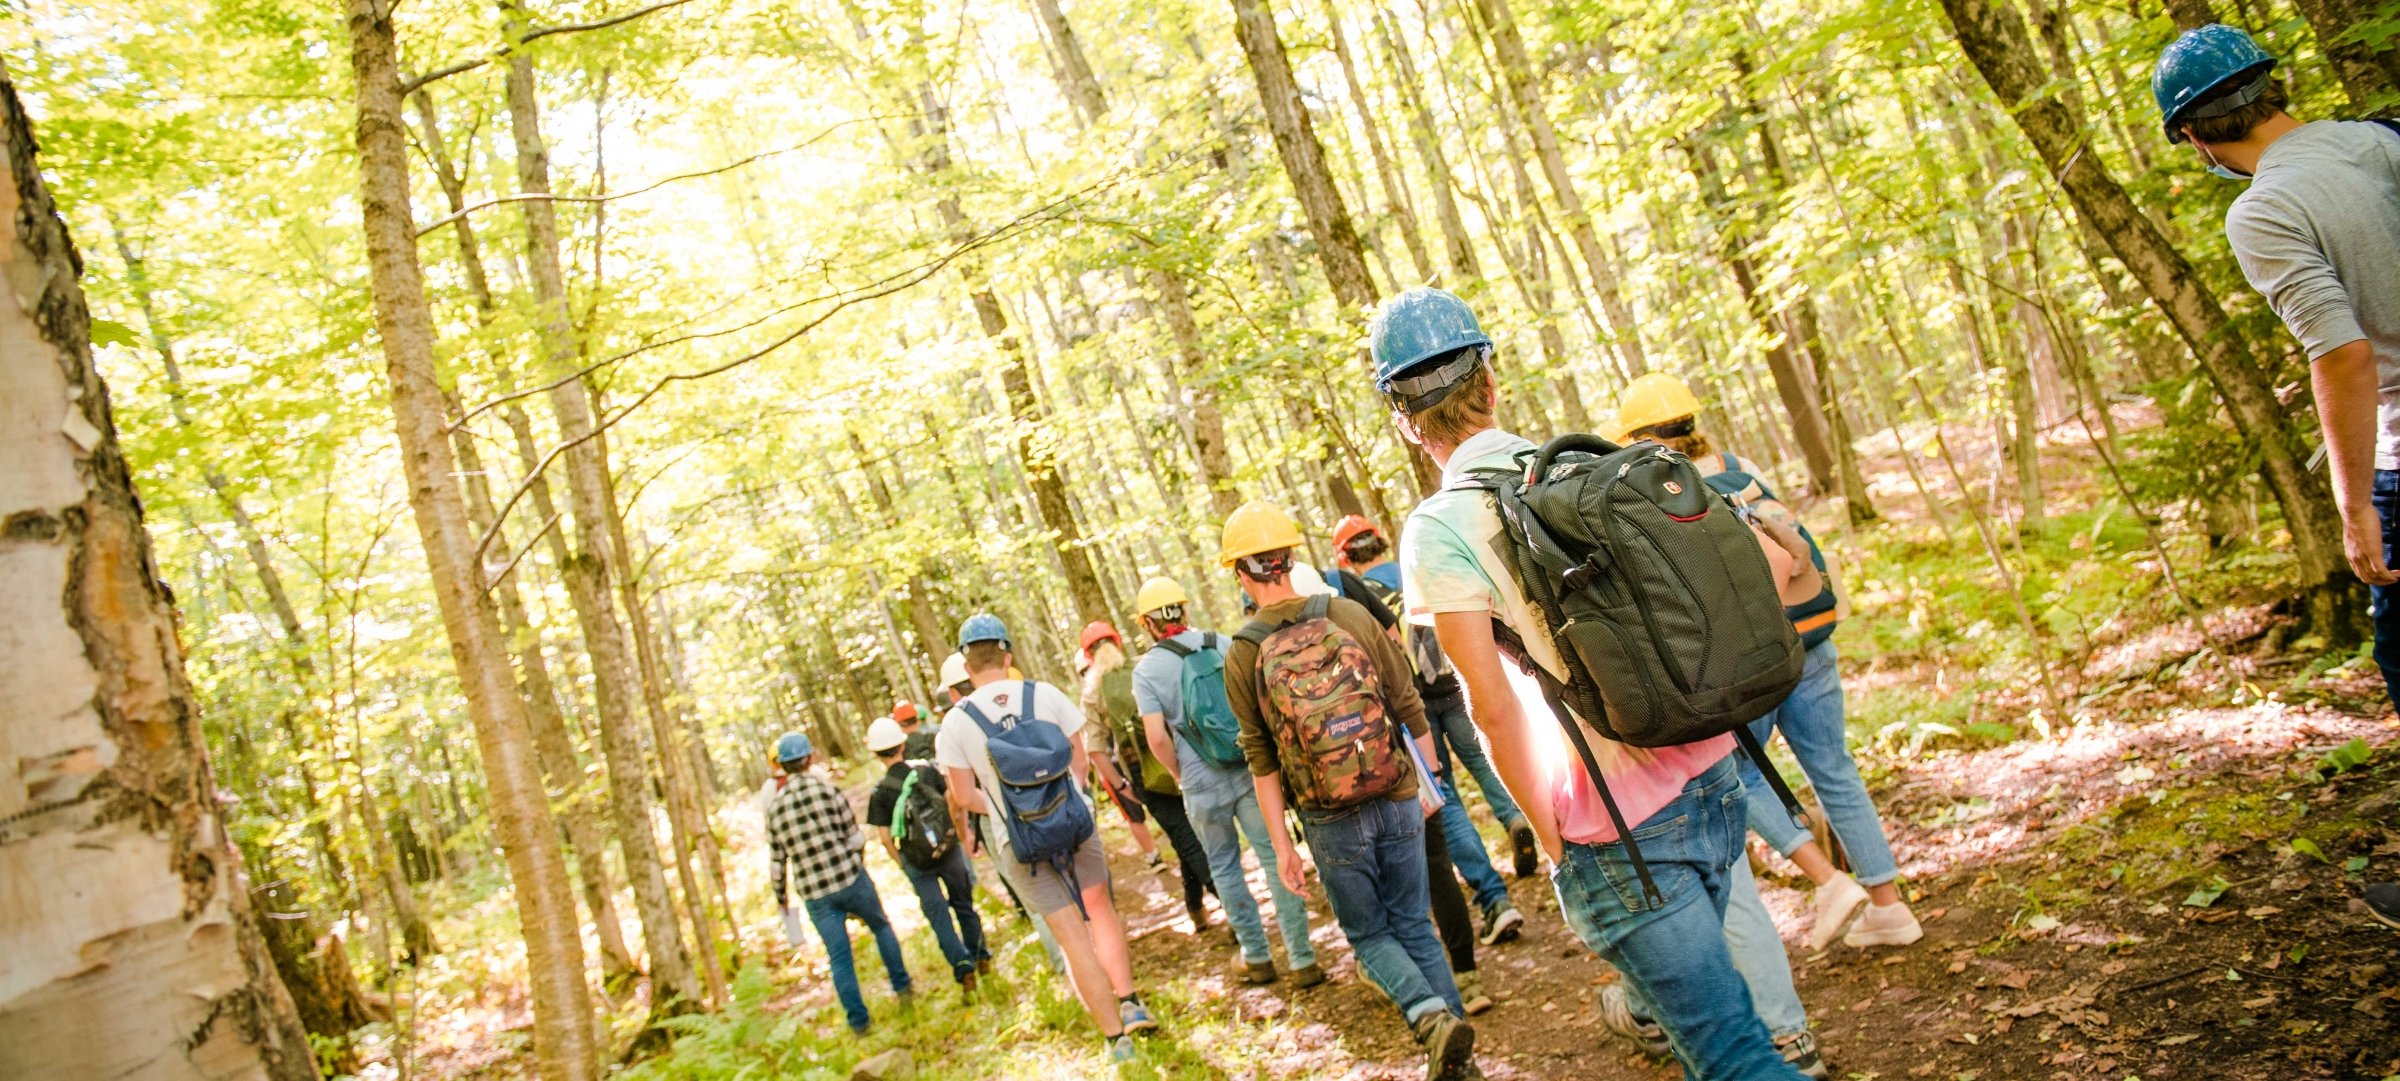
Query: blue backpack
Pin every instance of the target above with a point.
(1045, 817)
(1207, 723)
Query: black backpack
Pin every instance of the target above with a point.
(928, 835)
(1656, 596)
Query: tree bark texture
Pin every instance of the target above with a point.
(565, 1046)
(587, 572)
(1995, 41)
(129, 945)
(562, 771)
(1338, 247)
(1404, 216)
(1075, 70)
(2369, 75)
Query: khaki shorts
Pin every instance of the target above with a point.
(1042, 889)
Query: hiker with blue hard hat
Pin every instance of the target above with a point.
(2318, 233)
(813, 840)
(1461, 576)
(1012, 751)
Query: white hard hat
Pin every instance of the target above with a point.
(954, 669)
(1307, 582)
(884, 735)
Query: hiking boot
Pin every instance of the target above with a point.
(1501, 923)
(1884, 925)
(1308, 975)
(1157, 862)
(1800, 1053)
(1470, 992)
(1199, 916)
(1836, 902)
(1449, 1045)
(1525, 846)
(983, 965)
(1254, 973)
(2383, 902)
(1135, 1016)
(1616, 1011)
(1120, 1050)
(966, 985)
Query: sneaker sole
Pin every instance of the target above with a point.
(1826, 932)
(1503, 932)
(1456, 1053)
(1857, 940)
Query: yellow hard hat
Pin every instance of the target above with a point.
(1653, 399)
(1254, 527)
(1158, 593)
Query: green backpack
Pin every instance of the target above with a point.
(1133, 743)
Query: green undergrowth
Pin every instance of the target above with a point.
(1936, 655)
(1024, 1022)
(2166, 844)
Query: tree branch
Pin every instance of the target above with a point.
(411, 86)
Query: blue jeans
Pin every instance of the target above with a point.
(1372, 861)
(1466, 851)
(1818, 733)
(831, 914)
(1455, 737)
(2386, 604)
(1758, 954)
(1219, 803)
(1672, 951)
(946, 892)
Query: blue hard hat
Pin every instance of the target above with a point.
(982, 627)
(2199, 64)
(793, 747)
(1419, 325)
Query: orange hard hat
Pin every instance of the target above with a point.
(1351, 526)
(904, 710)
(1099, 631)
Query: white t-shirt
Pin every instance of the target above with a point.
(961, 743)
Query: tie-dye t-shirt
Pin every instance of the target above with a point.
(1450, 561)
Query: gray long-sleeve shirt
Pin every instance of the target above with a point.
(2318, 232)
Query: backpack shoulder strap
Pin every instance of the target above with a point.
(1209, 640)
(1316, 608)
(1175, 647)
(1025, 712)
(1726, 459)
(975, 713)
(1256, 631)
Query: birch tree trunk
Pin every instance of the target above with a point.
(1995, 41)
(129, 942)
(674, 987)
(565, 1048)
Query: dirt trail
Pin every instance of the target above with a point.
(2058, 943)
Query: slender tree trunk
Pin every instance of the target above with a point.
(1199, 403)
(1457, 250)
(1338, 247)
(1395, 191)
(131, 944)
(1796, 387)
(1517, 69)
(1075, 71)
(562, 771)
(1994, 40)
(564, 1044)
(674, 986)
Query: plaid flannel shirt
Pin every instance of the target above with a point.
(811, 829)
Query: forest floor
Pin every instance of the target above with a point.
(2161, 887)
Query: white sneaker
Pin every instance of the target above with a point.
(1836, 902)
(1885, 925)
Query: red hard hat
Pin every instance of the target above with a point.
(1350, 527)
(1100, 631)
(904, 710)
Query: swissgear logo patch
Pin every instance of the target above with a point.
(1672, 487)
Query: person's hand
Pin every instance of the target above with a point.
(1289, 868)
(2362, 539)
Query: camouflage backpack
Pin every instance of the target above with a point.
(1318, 692)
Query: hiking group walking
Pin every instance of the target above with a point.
(1604, 634)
